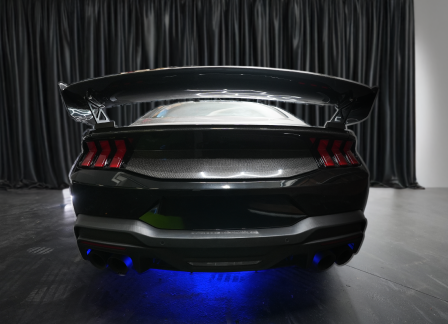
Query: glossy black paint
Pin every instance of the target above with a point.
(266, 248)
(103, 196)
(120, 193)
(145, 258)
(222, 144)
(353, 100)
(320, 193)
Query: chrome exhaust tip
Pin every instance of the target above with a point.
(120, 264)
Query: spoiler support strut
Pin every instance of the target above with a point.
(97, 110)
(338, 120)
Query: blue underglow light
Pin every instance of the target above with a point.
(223, 297)
(211, 290)
(88, 251)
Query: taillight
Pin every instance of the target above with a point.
(105, 151)
(349, 154)
(322, 149)
(337, 153)
(90, 155)
(119, 155)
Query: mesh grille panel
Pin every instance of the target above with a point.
(219, 168)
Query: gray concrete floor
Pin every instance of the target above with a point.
(400, 275)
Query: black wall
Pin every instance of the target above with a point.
(42, 42)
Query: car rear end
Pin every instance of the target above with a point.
(218, 198)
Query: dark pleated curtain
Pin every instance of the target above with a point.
(42, 42)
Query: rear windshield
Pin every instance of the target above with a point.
(215, 109)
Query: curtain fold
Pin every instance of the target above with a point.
(43, 42)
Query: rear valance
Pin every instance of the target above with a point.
(85, 99)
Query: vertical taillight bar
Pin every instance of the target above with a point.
(119, 155)
(337, 153)
(349, 154)
(322, 149)
(90, 155)
(105, 151)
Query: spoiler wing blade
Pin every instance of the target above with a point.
(352, 100)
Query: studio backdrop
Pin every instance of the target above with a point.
(43, 42)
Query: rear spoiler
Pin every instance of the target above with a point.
(86, 100)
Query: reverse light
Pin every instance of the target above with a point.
(92, 152)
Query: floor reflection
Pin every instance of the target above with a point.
(237, 297)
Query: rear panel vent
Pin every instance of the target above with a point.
(221, 154)
(142, 163)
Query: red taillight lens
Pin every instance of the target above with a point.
(342, 153)
(322, 149)
(105, 151)
(118, 157)
(349, 154)
(92, 152)
(337, 153)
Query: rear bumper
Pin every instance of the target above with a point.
(220, 250)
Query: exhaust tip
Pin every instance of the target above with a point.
(323, 260)
(97, 260)
(344, 254)
(120, 264)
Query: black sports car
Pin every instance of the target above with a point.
(217, 183)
